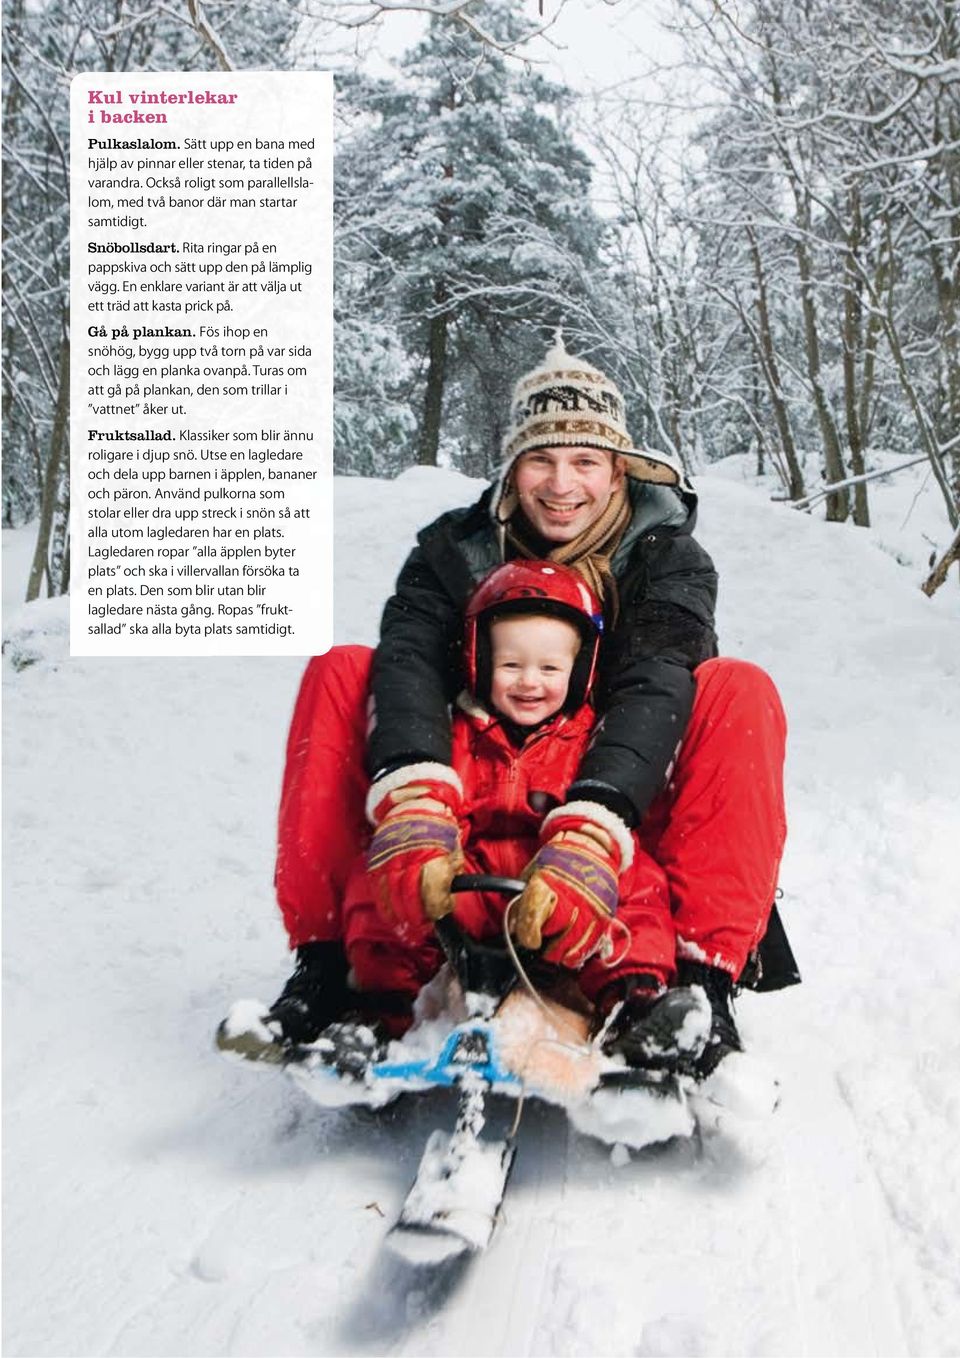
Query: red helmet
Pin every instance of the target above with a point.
(523, 587)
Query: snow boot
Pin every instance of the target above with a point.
(659, 1030)
(352, 1046)
(723, 1038)
(361, 1035)
(314, 997)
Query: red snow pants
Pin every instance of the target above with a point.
(717, 830)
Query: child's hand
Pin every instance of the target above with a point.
(415, 851)
(573, 885)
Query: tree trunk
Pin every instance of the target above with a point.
(838, 504)
(429, 445)
(436, 377)
(771, 371)
(852, 349)
(758, 427)
(58, 560)
(58, 464)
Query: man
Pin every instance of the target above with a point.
(687, 748)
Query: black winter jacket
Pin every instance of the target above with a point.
(667, 593)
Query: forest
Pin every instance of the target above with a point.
(763, 250)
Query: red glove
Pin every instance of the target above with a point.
(415, 851)
(573, 884)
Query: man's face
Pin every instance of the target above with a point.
(562, 491)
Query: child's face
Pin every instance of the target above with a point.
(532, 658)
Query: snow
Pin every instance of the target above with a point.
(160, 1200)
(18, 544)
(38, 632)
(619, 1155)
(633, 1118)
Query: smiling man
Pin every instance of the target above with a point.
(687, 748)
(561, 491)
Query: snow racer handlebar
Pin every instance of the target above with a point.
(486, 881)
(484, 968)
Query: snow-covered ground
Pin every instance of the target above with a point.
(159, 1201)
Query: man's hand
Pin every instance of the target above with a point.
(573, 885)
(415, 851)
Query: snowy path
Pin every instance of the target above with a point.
(159, 1201)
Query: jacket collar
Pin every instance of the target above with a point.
(563, 726)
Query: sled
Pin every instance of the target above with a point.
(494, 1022)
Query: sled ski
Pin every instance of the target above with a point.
(453, 1205)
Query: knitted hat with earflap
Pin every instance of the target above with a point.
(567, 402)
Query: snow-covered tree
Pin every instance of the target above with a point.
(44, 45)
(465, 224)
(816, 204)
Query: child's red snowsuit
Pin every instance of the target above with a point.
(716, 831)
(507, 791)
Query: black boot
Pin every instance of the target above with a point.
(658, 1030)
(315, 995)
(724, 1037)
